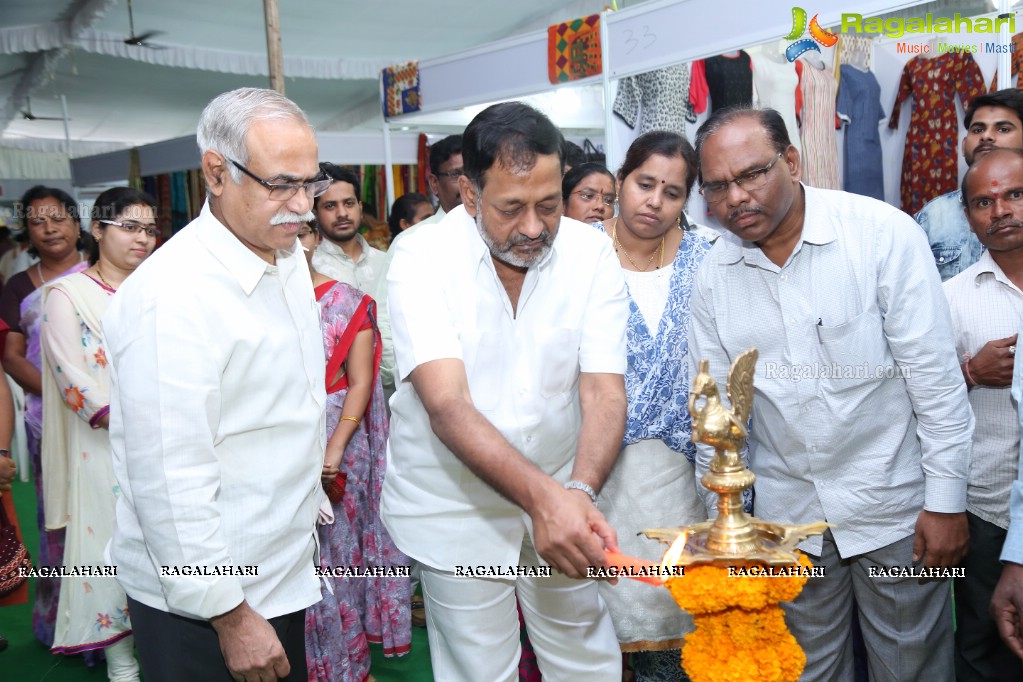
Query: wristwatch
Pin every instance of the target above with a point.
(585, 487)
(5, 453)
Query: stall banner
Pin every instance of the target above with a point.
(401, 89)
(573, 49)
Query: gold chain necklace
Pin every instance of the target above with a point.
(618, 247)
(104, 279)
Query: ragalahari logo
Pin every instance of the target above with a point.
(818, 35)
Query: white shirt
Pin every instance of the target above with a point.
(446, 301)
(986, 305)
(832, 438)
(330, 259)
(216, 425)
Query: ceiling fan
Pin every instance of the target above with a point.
(140, 40)
(29, 116)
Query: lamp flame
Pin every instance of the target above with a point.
(673, 555)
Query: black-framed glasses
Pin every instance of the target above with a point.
(589, 196)
(132, 227)
(286, 190)
(756, 179)
(451, 175)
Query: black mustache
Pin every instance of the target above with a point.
(739, 211)
(1010, 222)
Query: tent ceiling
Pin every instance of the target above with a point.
(333, 50)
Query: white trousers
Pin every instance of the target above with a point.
(121, 663)
(473, 627)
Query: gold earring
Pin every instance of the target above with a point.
(678, 222)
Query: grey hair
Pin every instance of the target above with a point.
(225, 122)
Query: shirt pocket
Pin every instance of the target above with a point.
(483, 357)
(947, 256)
(559, 365)
(855, 352)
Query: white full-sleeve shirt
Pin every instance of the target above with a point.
(860, 416)
(216, 426)
(522, 369)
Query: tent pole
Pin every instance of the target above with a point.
(274, 55)
(610, 155)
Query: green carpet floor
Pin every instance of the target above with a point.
(26, 660)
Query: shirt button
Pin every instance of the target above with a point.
(784, 277)
(529, 439)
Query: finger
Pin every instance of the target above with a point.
(919, 545)
(1006, 621)
(282, 668)
(1007, 341)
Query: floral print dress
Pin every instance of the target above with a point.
(79, 487)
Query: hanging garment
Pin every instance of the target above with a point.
(859, 106)
(1016, 61)
(729, 81)
(657, 100)
(930, 164)
(777, 82)
(817, 132)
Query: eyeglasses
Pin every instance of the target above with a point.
(714, 192)
(451, 175)
(306, 232)
(132, 227)
(284, 191)
(588, 196)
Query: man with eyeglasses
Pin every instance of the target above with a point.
(860, 416)
(343, 253)
(216, 416)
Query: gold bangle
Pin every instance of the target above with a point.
(349, 418)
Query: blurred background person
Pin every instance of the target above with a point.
(588, 191)
(653, 483)
(79, 487)
(8, 471)
(408, 210)
(50, 217)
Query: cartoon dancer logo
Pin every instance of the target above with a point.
(817, 35)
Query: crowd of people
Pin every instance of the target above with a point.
(275, 430)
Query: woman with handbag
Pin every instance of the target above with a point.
(373, 609)
(79, 487)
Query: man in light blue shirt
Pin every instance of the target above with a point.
(994, 120)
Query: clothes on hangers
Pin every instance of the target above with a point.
(1017, 64)
(817, 129)
(859, 107)
(930, 163)
(656, 100)
(776, 81)
(728, 81)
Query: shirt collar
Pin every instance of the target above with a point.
(986, 265)
(238, 259)
(332, 249)
(817, 230)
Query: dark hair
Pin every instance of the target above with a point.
(404, 208)
(442, 150)
(574, 154)
(113, 203)
(338, 174)
(666, 144)
(771, 121)
(63, 198)
(579, 173)
(512, 133)
(1010, 98)
(966, 175)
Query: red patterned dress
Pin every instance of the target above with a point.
(930, 164)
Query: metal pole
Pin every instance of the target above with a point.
(274, 55)
(605, 76)
(1005, 58)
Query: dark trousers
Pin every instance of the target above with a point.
(174, 648)
(980, 654)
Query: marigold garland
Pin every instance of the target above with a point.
(740, 634)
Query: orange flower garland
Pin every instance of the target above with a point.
(740, 634)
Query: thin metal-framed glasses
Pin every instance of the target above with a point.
(451, 175)
(756, 179)
(286, 190)
(132, 227)
(589, 196)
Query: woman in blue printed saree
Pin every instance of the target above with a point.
(653, 483)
